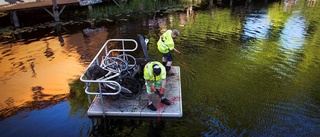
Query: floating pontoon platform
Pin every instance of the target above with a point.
(137, 107)
(115, 81)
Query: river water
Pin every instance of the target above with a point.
(249, 70)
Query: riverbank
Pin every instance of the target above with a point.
(105, 12)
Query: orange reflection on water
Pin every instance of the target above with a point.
(38, 67)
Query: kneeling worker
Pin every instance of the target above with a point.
(155, 77)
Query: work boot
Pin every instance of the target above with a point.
(170, 74)
(164, 63)
(165, 101)
(151, 107)
(168, 68)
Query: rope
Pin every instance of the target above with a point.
(161, 107)
(185, 66)
(143, 108)
(184, 63)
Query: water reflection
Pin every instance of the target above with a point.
(48, 52)
(256, 27)
(296, 24)
(186, 17)
(58, 29)
(288, 5)
(293, 112)
(244, 72)
(311, 3)
(41, 68)
(128, 127)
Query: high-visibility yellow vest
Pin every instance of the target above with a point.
(165, 43)
(148, 72)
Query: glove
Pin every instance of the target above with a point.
(153, 88)
(162, 91)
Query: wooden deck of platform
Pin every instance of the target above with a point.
(137, 108)
(34, 5)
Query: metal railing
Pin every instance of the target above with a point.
(112, 65)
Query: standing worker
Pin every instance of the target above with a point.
(165, 45)
(155, 76)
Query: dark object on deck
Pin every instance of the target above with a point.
(95, 72)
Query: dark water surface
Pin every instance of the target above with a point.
(250, 70)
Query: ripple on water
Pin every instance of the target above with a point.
(290, 116)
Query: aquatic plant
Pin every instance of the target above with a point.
(2, 14)
(107, 12)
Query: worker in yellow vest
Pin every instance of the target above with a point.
(165, 45)
(155, 77)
